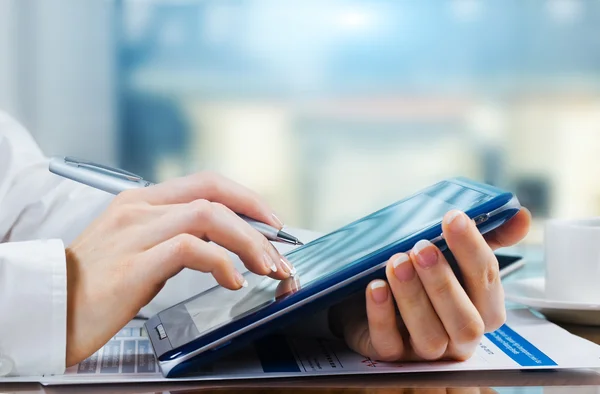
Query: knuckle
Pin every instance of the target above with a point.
(492, 274)
(183, 245)
(265, 245)
(412, 299)
(125, 214)
(487, 277)
(495, 321)
(222, 260)
(377, 323)
(259, 248)
(442, 287)
(252, 252)
(433, 348)
(471, 332)
(462, 355)
(256, 247)
(364, 343)
(201, 210)
(390, 353)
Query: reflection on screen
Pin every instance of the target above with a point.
(321, 258)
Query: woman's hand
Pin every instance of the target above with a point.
(146, 236)
(438, 318)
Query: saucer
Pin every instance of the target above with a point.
(530, 292)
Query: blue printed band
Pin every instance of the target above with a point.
(519, 349)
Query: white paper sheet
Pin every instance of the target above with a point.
(525, 342)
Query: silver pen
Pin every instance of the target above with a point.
(115, 181)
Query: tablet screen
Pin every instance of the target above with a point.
(317, 260)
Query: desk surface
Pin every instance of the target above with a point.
(456, 383)
(554, 382)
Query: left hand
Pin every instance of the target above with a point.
(438, 318)
(147, 236)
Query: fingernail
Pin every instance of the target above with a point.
(403, 272)
(284, 267)
(269, 264)
(240, 279)
(288, 266)
(426, 254)
(277, 220)
(456, 221)
(379, 291)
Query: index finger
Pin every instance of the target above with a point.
(215, 188)
(510, 232)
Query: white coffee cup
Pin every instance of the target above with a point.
(572, 256)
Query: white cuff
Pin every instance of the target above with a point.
(33, 305)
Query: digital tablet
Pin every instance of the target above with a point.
(194, 332)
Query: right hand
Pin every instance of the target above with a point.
(422, 312)
(146, 236)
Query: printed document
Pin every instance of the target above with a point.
(524, 342)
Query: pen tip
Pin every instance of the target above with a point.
(288, 238)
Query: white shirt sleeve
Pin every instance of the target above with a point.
(34, 308)
(36, 205)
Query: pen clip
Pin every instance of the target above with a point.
(104, 169)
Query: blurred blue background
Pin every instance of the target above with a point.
(329, 109)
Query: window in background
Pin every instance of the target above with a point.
(332, 109)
